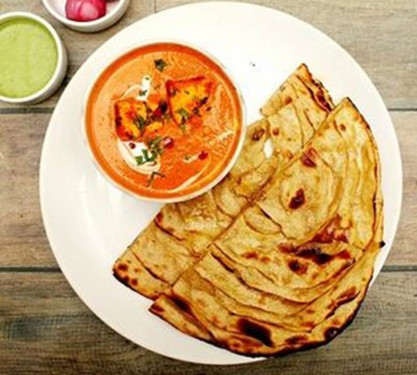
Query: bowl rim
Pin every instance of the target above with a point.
(230, 163)
(61, 60)
(85, 24)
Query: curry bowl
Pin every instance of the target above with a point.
(164, 121)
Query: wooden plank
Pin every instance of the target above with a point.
(22, 237)
(79, 45)
(46, 329)
(380, 35)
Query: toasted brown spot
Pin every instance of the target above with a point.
(258, 134)
(330, 333)
(134, 282)
(322, 100)
(181, 303)
(345, 254)
(262, 299)
(349, 294)
(201, 302)
(342, 127)
(310, 311)
(122, 267)
(308, 158)
(309, 325)
(287, 100)
(216, 320)
(265, 259)
(316, 255)
(136, 270)
(286, 248)
(298, 200)
(345, 297)
(275, 131)
(297, 267)
(157, 309)
(125, 279)
(340, 236)
(255, 330)
(250, 255)
(295, 340)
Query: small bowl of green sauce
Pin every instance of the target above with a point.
(33, 59)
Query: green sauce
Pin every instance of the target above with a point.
(28, 57)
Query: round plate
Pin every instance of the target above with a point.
(89, 222)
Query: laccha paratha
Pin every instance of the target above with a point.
(274, 289)
(181, 233)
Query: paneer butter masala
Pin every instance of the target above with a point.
(163, 120)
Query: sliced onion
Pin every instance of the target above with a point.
(85, 10)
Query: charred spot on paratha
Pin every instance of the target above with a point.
(122, 267)
(288, 100)
(255, 330)
(251, 255)
(297, 267)
(294, 340)
(258, 135)
(181, 303)
(308, 158)
(297, 200)
(315, 254)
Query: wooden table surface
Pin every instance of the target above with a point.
(46, 329)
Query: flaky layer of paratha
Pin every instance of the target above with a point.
(292, 270)
(181, 233)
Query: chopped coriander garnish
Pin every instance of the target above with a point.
(145, 157)
(160, 64)
(139, 160)
(155, 145)
(140, 123)
(183, 127)
(143, 92)
(152, 176)
(184, 114)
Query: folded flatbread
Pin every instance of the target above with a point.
(181, 233)
(292, 270)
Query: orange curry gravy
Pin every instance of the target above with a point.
(163, 120)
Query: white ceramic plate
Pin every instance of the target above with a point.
(89, 222)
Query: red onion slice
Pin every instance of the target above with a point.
(85, 10)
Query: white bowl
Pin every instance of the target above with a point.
(115, 10)
(204, 188)
(61, 66)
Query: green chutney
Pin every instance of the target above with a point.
(28, 57)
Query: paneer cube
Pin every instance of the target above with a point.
(186, 97)
(130, 117)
